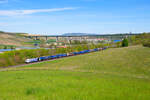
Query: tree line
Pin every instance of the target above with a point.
(143, 39)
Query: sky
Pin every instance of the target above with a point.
(54, 17)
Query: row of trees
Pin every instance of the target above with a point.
(7, 47)
(143, 39)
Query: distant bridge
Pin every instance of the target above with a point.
(107, 36)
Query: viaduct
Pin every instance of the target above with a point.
(107, 36)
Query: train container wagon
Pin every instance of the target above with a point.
(44, 58)
(64, 55)
(53, 57)
(86, 51)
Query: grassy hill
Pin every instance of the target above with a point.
(113, 74)
(77, 34)
(15, 39)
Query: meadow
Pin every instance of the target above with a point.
(113, 74)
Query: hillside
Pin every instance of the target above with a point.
(77, 34)
(113, 74)
(119, 60)
(15, 39)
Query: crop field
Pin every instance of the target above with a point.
(9, 39)
(113, 74)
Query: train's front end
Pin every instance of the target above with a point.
(27, 61)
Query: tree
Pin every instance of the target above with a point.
(84, 42)
(125, 43)
(11, 47)
(5, 47)
(76, 42)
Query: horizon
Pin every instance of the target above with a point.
(71, 16)
(74, 33)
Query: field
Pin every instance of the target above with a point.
(113, 74)
(13, 39)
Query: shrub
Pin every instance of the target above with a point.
(125, 43)
(146, 44)
(139, 39)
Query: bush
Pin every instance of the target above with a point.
(146, 44)
(125, 43)
(139, 39)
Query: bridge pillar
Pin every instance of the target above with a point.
(36, 37)
(57, 39)
(80, 39)
(46, 37)
(69, 39)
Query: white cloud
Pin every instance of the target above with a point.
(31, 11)
(11, 24)
(3, 24)
(3, 1)
(8, 1)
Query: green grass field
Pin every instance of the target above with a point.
(113, 74)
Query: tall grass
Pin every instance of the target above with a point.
(113, 74)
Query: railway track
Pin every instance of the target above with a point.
(6, 68)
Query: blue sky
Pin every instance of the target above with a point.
(71, 16)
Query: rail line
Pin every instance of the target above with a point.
(15, 66)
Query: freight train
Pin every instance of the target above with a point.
(38, 59)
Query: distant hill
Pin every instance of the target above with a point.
(77, 34)
(16, 39)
